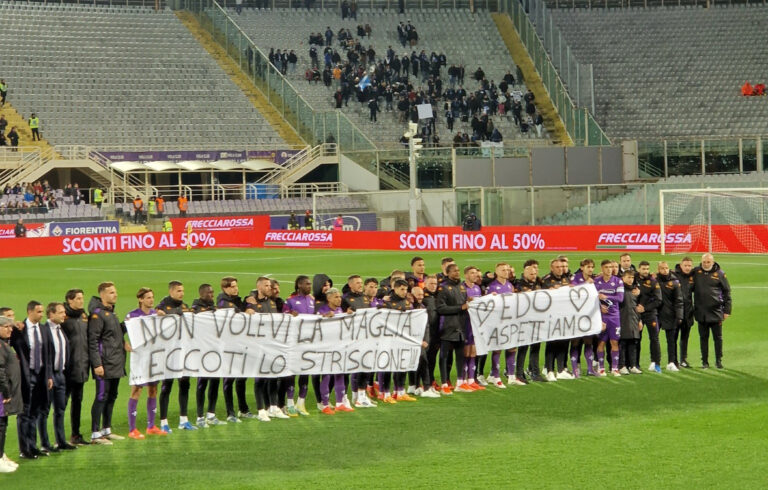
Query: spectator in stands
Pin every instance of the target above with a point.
(309, 221)
(328, 36)
(239, 6)
(183, 203)
(746, 89)
(401, 6)
(34, 125)
(496, 136)
(3, 124)
(313, 56)
(412, 35)
(344, 9)
(338, 97)
(2, 140)
(539, 122)
(292, 60)
(479, 74)
(353, 9)
(373, 105)
(20, 230)
(3, 92)
(77, 196)
(293, 222)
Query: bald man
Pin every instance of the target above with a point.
(712, 306)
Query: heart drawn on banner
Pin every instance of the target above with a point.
(484, 310)
(578, 297)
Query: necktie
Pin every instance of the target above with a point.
(60, 362)
(38, 350)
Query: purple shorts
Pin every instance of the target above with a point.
(154, 383)
(470, 338)
(611, 333)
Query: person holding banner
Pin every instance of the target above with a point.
(329, 309)
(354, 299)
(471, 278)
(610, 292)
(266, 390)
(300, 302)
(556, 350)
(452, 305)
(583, 276)
(146, 299)
(424, 389)
(204, 420)
(106, 350)
(397, 301)
(433, 325)
(229, 298)
(320, 284)
(530, 281)
(502, 285)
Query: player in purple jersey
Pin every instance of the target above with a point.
(583, 276)
(468, 381)
(301, 302)
(610, 292)
(330, 308)
(502, 285)
(146, 299)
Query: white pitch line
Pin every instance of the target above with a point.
(280, 257)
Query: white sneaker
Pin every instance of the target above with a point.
(544, 372)
(594, 364)
(601, 373)
(652, 366)
(9, 461)
(6, 468)
(418, 391)
(275, 412)
(551, 376)
(615, 372)
(354, 397)
(411, 390)
(624, 370)
(363, 402)
(430, 393)
(515, 381)
(482, 381)
(263, 416)
(635, 370)
(564, 375)
(672, 368)
(320, 407)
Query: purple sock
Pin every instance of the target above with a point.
(325, 389)
(472, 369)
(382, 388)
(151, 411)
(353, 382)
(590, 356)
(465, 370)
(495, 361)
(303, 390)
(614, 360)
(291, 389)
(338, 387)
(574, 359)
(600, 360)
(510, 357)
(132, 404)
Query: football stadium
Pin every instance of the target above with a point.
(401, 244)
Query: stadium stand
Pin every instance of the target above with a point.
(98, 75)
(640, 204)
(466, 39)
(672, 71)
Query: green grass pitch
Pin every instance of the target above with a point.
(693, 429)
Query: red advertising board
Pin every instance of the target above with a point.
(254, 232)
(8, 230)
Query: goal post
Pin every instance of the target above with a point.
(722, 220)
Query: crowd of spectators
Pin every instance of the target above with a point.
(37, 197)
(399, 83)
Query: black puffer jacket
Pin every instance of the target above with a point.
(317, 288)
(106, 344)
(451, 295)
(671, 311)
(711, 294)
(686, 287)
(76, 329)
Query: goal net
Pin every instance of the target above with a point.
(714, 220)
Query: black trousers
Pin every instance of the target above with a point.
(533, 358)
(685, 332)
(652, 327)
(26, 422)
(672, 334)
(556, 350)
(3, 429)
(35, 134)
(57, 398)
(432, 350)
(260, 390)
(165, 397)
(447, 347)
(717, 336)
(212, 385)
(316, 379)
(101, 410)
(239, 385)
(627, 353)
(75, 396)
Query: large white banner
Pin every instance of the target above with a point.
(238, 345)
(506, 321)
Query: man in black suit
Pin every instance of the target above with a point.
(59, 357)
(32, 347)
(78, 365)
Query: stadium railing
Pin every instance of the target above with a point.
(578, 121)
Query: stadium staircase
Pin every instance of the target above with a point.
(552, 120)
(22, 128)
(257, 98)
